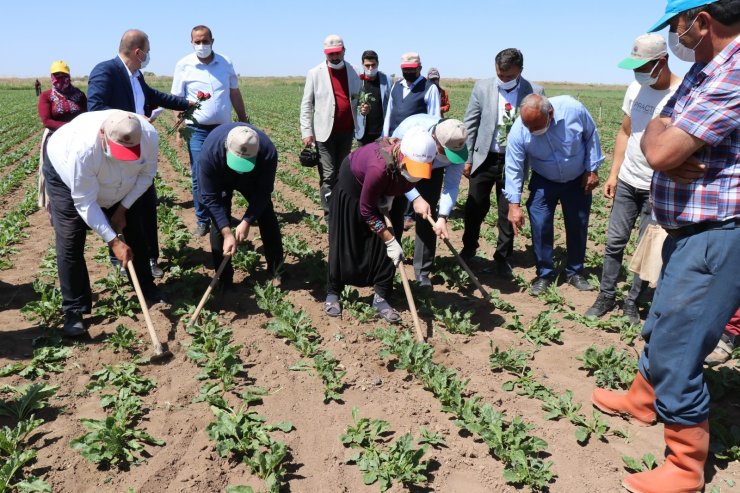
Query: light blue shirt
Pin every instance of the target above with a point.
(453, 172)
(569, 148)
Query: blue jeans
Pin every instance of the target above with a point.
(194, 146)
(629, 202)
(543, 198)
(698, 291)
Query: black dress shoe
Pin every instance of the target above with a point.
(603, 305)
(580, 283)
(74, 326)
(154, 296)
(157, 271)
(540, 285)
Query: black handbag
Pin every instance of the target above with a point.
(309, 156)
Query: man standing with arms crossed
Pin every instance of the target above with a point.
(209, 72)
(694, 149)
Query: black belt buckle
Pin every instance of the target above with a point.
(693, 229)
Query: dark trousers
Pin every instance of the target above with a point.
(148, 218)
(490, 173)
(425, 243)
(543, 198)
(272, 241)
(698, 291)
(368, 138)
(629, 203)
(331, 155)
(70, 230)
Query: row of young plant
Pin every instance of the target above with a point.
(13, 225)
(17, 175)
(509, 440)
(387, 461)
(23, 405)
(238, 431)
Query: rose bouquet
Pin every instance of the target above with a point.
(510, 114)
(188, 115)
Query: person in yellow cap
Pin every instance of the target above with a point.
(362, 250)
(57, 106)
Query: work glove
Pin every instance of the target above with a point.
(394, 252)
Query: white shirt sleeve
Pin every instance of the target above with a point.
(233, 79)
(432, 100)
(450, 188)
(387, 120)
(178, 81)
(84, 192)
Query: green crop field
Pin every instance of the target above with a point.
(266, 393)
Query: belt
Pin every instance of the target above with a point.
(693, 229)
(207, 128)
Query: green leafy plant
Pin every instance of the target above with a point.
(123, 339)
(27, 400)
(454, 321)
(612, 369)
(359, 309)
(397, 462)
(646, 463)
(119, 301)
(245, 260)
(48, 308)
(543, 330)
(121, 375)
(46, 359)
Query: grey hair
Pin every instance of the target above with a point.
(536, 102)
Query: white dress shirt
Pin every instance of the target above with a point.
(218, 78)
(503, 98)
(431, 98)
(95, 180)
(136, 87)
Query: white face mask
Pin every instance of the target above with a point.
(408, 177)
(145, 62)
(202, 50)
(507, 86)
(337, 65)
(371, 72)
(683, 52)
(542, 130)
(646, 79)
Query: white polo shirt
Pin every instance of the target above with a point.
(217, 78)
(96, 180)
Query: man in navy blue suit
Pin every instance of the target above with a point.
(119, 84)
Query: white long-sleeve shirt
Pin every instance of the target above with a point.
(95, 180)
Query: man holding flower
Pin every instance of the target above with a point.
(206, 72)
(491, 113)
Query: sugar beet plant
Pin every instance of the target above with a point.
(385, 463)
(511, 441)
(297, 328)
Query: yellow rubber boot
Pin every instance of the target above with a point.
(638, 402)
(683, 470)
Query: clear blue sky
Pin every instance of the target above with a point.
(569, 40)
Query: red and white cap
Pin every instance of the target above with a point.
(410, 60)
(333, 44)
(122, 132)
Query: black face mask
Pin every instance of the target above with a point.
(409, 75)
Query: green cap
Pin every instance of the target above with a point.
(647, 47)
(242, 146)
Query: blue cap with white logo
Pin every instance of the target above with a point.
(675, 7)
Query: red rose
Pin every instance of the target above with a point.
(201, 95)
(207, 95)
(507, 107)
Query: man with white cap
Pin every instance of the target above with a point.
(329, 112)
(557, 139)
(411, 95)
(694, 150)
(440, 190)
(629, 179)
(97, 167)
(240, 157)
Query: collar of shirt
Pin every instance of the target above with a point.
(721, 58)
(406, 84)
(214, 61)
(130, 74)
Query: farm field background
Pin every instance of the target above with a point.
(536, 360)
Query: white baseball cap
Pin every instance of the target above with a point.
(419, 150)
